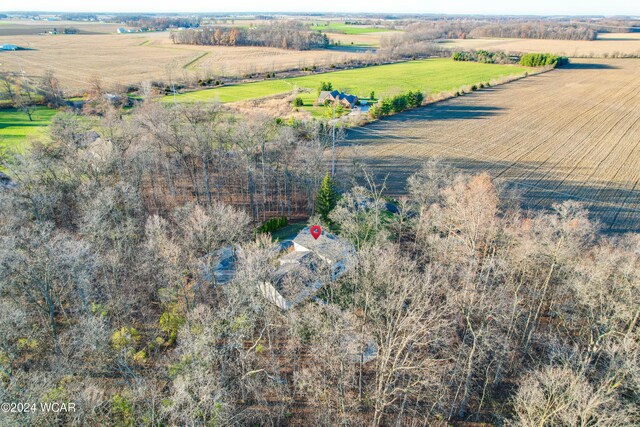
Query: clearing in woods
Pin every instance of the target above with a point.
(570, 134)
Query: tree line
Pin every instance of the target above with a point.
(536, 30)
(157, 23)
(285, 35)
(484, 56)
(397, 104)
(24, 94)
(468, 27)
(543, 60)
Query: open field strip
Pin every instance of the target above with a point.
(573, 133)
(337, 27)
(431, 76)
(127, 59)
(625, 43)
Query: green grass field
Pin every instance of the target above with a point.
(429, 76)
(336, 27)
(15, 126)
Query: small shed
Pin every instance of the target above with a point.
(9, 46)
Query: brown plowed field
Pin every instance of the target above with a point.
(606, 45)
(133, 58)
(569, 134)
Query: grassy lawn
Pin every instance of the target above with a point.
(233, 93)
(15, 126)
(336, 27)
(429, 76)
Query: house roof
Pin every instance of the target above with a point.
(335, 94)
(351, 99)
(297, 281)
(219, 265)
(328, 245)
(326, 93)
(295, 257)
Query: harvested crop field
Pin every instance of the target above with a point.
(606, 45)
(569, 134)
(124, 59)
(13, 27)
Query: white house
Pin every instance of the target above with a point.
(335, 251)
(305, 267)
(294, 282)
(301, 271)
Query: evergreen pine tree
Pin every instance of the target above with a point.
(327, 197)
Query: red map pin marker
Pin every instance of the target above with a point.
(316, 231)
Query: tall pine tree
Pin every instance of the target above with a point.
(327, 198)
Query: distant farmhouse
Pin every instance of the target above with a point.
(9, 46)
(125, 31)
(347, 100)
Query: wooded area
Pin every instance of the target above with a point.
(285, 35)
(479, 311)
(536, 30)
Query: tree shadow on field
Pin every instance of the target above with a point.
(614, 206)
(437, 111)
(588, 66)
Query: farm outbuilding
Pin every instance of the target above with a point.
(9, 46)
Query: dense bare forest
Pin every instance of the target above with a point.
(286, 35)
(462, 28)
(479, 311)
(535, 30)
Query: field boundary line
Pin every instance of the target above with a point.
(190, 65)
